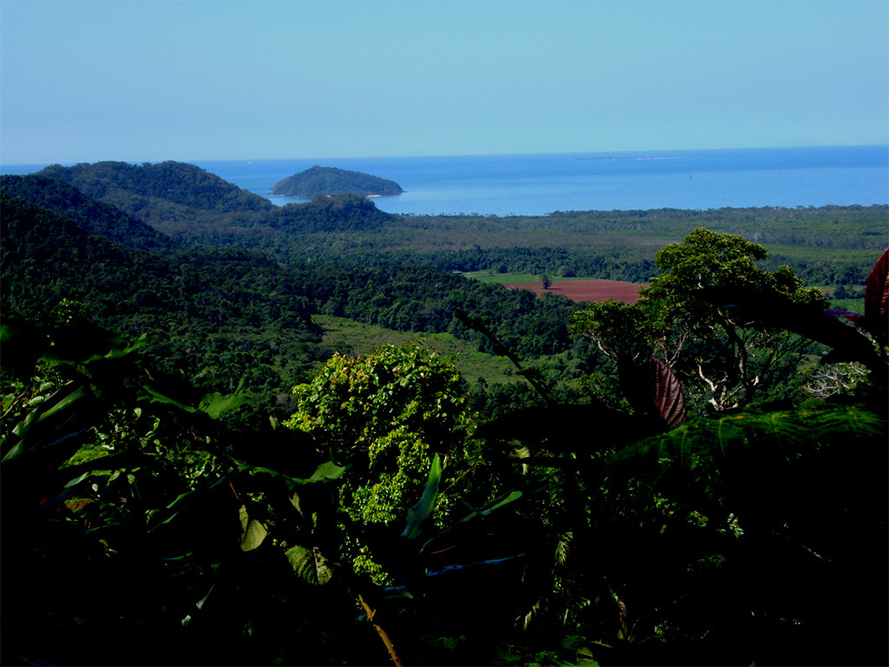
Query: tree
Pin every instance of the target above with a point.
(385, 415)
(689, 317)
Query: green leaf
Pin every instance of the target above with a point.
(158, 397)
(215, 404)
(326, 472)
(253, 532)
(309, 565)
(59, 419)
(420, 513)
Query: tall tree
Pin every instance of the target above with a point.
(688, 317)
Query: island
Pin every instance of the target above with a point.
(318, 181)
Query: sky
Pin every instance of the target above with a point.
(146, 81)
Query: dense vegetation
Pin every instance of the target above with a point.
(317, 181)
(191, 475)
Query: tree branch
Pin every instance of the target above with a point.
(371, 613)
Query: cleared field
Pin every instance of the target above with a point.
(353, 338)
(586, 289)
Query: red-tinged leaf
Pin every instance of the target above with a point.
(876, 294)
(652, 389)
(667, 394)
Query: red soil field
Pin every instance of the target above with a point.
(587, 290)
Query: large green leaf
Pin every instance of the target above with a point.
(158, 397)
(215, 404)
(711, 441)
(420, 513)
(326, 472)
(253, 531)
(60, 420)
(188, 500)
(309, 564)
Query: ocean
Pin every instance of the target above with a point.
(541, 184)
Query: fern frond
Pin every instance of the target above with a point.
(563, 547)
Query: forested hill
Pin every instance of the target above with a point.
(214, 315)
(193, 205)
(174, 182)
(329, 213)
(47, 257)
(178, 199)
(317, 181)
(93, 216)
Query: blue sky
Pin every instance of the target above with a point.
(82, 81)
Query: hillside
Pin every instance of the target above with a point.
(135, 186)
(317, 181)
(219, 315)
(330, 213)
(177, 199)
(91, 215)
(340, 255)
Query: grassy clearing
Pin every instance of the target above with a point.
(353, 338)
(854, 305)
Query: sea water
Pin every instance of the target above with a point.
(541, 184)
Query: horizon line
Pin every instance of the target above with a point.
(445, 155)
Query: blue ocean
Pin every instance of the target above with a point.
(541, 184)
